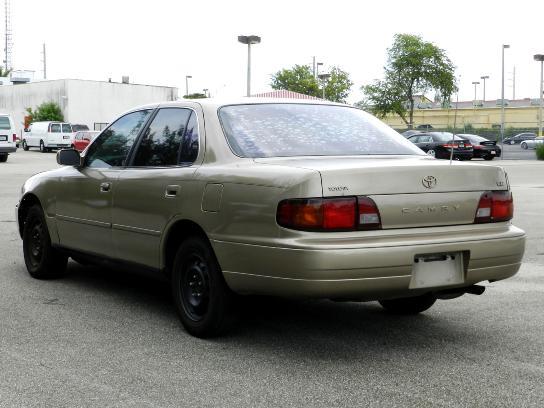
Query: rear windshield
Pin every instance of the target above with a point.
(4, 123)
(281, 130)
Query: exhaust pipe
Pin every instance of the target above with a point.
(456, 292)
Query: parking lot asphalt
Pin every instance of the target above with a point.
(105, 338)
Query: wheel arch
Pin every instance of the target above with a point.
(28, 200)
(178, 232)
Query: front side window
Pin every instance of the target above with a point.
(168, 139)
(282, 130)
(55, 128)
(66, 128)
(113, 145)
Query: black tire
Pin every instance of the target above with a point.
(42, 147)
(409, 306)
(25, 146)
(3, 158)
(524, 146)
(201, 296)
(41, 259)
(489, 157)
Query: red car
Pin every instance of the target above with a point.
(82, 139)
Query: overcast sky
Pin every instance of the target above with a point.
(159, 42)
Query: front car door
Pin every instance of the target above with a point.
(151, 191)
(84, 195)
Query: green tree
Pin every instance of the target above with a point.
(338, 85)
(413, 67)
(195, 96)
(4, 72)
(301, 79)
(297, 79)
(45, 112)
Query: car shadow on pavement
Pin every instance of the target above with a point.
(319, 329)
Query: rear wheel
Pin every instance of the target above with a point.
(512, 142)
(25, 146)
(42, 147)
(489, 157)
(41, 259)
(431, 153)
(524, 145)
(409, 306)
(3, 158)
(200, 293)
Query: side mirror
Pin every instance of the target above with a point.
(27, 129)
(68, 157)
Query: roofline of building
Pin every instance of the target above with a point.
(94, 80)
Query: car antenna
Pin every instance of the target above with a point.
(454, 125)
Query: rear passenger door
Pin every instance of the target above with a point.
(154, 188)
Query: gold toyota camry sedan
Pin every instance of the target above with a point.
(276, 197)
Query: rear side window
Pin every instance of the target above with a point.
(55, 128)
(282, 130)
(4, 123)
(168, 139)
(113, 145)
(66, 128)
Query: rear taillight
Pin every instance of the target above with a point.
(477, 147)
(329, 214)
(495, 206)
(14, 138)
(449, 146)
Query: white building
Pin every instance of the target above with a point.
(93, 103)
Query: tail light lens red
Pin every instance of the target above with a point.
(495, 206)
(329, 214)
(14, 137)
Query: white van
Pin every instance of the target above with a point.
(48, 135)
(8, 137)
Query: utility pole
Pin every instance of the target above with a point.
(514, 83)
(44, 63)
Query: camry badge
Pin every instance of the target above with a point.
(429, 181)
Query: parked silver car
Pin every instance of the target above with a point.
(532, 144)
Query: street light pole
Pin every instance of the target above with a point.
(504, 46)
(324, 77)
(249, 39)
(187, 84)
(484, 78)
(475, 83)
(317, 73)
(540, 57)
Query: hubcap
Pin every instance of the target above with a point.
(195, 288)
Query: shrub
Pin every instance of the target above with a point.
(540, 151)
(45, 112)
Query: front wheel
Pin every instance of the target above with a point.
(431, 153)
(42, 147)
(524, 146)
(512, 142)
(200, 293)
(489, 157)
(3, 158)
(25, 146)
(409, 306)
(41, 259)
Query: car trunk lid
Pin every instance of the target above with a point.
(409, 191)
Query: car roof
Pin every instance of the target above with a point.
(219, 102)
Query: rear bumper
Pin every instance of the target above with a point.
(58, 145)
(7, 149)
(369, 269)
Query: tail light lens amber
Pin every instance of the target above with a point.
(495, 206)
(329, 214)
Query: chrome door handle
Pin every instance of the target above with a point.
(105, 187)
(171, 191)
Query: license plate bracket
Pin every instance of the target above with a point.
(439, 269)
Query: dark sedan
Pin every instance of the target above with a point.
(440, 145)
(520, 137)
(483, 148)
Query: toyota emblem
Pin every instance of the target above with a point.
(429, 181)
